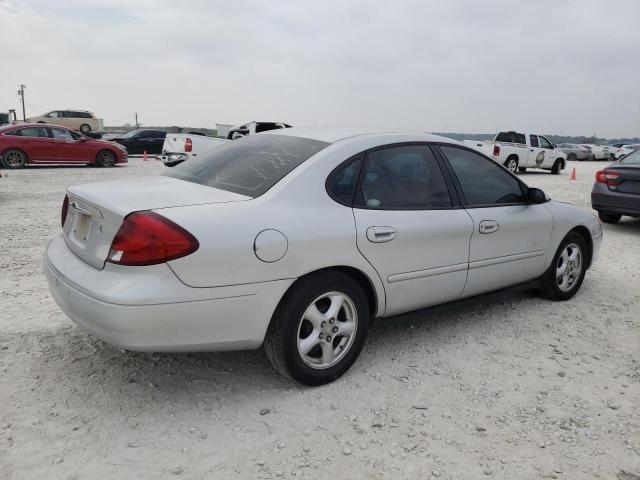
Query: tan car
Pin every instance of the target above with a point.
(73, 119)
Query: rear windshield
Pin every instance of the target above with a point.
(511, 137)
(249, 166)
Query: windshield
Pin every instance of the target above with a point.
(249, 166)
(632, 159)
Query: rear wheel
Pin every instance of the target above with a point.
(319, 328)
(85, 128)
(14, 158)
(557, 166)
(609, 217)
(105, 158)
(511, 164)
(572, 156)
(563, 278)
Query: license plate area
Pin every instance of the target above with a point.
(81, 225)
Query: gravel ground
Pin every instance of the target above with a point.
(508, 387)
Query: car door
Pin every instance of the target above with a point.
(536, 155)
(548, 152)
(410, 228)
(35, 142)
(69, 147)
(510, 236)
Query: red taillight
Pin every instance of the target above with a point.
(607, 177)
(188, 145)
(65, 209)
(496, 150)
(146, 238)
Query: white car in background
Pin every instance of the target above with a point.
(599, 152)
(178, 147)
(299, 238)
(518, 151)
(625, 150)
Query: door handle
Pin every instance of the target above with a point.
(531, 150)
(381, 234)
(489, 226)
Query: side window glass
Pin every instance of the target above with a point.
(483, 182)
(34, 132)
(544, 143)
(61, 134)
(402, 177)
(534, 140)
(53, 115)
(341, 183)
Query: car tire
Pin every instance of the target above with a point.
(557, 282)
(572, 157)
(522, 169)
(85, 128)
(555, 170)
(295, 328)
(609, 217)
(511, 164)
(106, 159)
(14, 158)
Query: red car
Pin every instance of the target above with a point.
(36, 143)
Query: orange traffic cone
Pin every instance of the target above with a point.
(144, 157)
(573, 174)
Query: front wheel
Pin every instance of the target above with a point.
(609, 217)
(106, 158)
(563, 278)
(557, 166)
(572, 156)
(319, 328)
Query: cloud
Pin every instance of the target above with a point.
(463, 66)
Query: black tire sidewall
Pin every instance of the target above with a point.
(6, 164)
(99, 159)
(87, 130)
(551, 285)
(290, 312)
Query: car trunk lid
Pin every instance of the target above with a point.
(97, 210)
(623, 179)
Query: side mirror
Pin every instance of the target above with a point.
(535, 196)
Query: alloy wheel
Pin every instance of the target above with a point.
(327, 330)
(14, 159)
(569, 267)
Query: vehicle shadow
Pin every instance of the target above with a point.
(89, 365)
(626, 225)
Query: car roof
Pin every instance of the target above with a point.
(336, 134)
(6, 128)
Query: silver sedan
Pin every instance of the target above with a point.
(297, 239)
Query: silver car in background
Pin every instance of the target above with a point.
(297, 239)
(575, 152)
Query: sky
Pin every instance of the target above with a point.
(567, 67)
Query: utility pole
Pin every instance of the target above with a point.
(137, 126)
(21, 95)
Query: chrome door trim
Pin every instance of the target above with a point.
(398, 277)
(509, 258)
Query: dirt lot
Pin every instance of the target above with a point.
(512, 387)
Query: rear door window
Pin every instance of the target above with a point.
(250, 165)
(39, 132)
(534, 140)
(402, 177)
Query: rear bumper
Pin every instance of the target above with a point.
(611, 202)
(172, 317)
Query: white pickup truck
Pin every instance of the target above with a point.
(179, 147)
(519, 151)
